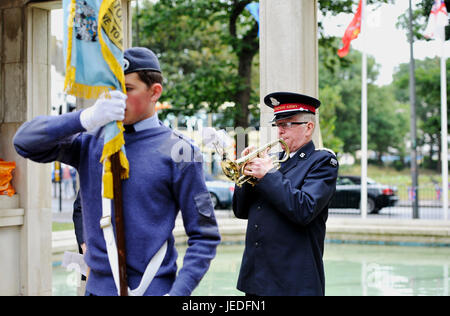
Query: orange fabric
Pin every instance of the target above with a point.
(6, 169)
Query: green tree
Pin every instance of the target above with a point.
(340, 92)
(428, 101)
(331, 99)
(346, 80)
(420, 18)
(208, 49)
(387, 122)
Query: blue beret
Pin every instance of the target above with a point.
(287, 104)
(140, 58)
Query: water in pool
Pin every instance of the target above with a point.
(350, 269)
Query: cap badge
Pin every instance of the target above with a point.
(274, 101)
(126, 64)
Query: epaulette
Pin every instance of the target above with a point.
(327, 149)
(333, 161)
(182, 136)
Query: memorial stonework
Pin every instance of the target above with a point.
(25, 218)
(289, 62)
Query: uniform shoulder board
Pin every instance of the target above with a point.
(327, 149)
(180, 135)
(333, 160)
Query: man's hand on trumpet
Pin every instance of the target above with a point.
(258, 167)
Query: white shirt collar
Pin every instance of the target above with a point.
(150, 122)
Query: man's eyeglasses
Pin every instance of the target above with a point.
(288, 124)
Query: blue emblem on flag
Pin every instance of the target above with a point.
(85, 22)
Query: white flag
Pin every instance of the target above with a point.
(437, 21)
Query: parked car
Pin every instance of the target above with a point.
(348, 194)
(221, 192)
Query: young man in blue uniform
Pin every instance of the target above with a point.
(166, 176)
(287, 208)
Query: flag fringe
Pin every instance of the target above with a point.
(108, 191)
(109, 149)
(115, 144)
(70, 70)
(85, 91)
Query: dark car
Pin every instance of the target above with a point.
(221, 192)
(348, 194)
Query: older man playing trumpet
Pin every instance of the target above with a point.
(288, 207)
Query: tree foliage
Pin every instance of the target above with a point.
(206, 48)
(340, 92)
(420, 18)
(209, 55)
(428, 100)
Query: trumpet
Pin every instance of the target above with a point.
(234, 170)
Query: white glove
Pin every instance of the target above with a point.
(104, 110)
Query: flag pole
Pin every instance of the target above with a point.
(356, 26)
(435, 29)
(364, 115)
(444, 132)
(120, 227)
(412, 98)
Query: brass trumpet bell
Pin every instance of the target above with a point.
(234, 170)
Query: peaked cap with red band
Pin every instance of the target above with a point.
(287, 104)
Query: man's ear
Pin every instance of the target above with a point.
(156, 89)
(310, 127)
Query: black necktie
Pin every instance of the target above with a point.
(129, 129)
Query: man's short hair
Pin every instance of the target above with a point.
(306, 117)
(150, 77)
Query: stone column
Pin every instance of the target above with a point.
(26, 219)
(288, 55)
(25, 93)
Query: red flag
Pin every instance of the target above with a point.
(352, 32)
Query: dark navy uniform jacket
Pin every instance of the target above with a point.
(286, 211)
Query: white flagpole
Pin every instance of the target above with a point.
(444, 141)
(364, 115)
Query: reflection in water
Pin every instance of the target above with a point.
(350, 269)
(386, 270)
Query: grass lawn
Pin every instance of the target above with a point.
(392, 176)
(56, 227)
(428, 179)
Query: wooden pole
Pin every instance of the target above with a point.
(120, 229)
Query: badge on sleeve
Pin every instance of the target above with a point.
(333, 162)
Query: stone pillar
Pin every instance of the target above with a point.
(24, 93)
(26, 219)
(288, 55)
